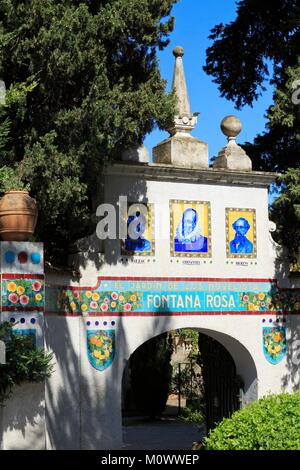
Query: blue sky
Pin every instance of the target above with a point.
(194, 20)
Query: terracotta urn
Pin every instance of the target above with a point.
(18, 216)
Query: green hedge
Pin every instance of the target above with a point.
(272, 423)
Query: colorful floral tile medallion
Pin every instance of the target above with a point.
(22, 293)
(274, 343)
(101, 348)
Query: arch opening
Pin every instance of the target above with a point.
(226, 379)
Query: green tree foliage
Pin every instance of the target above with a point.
(272, 423)
(262, 31)
(264, 43)
(286, 212)
(278, 148)
(23, 362)
(192, 335)
(11, 176)
(151, 374)
(97, 91)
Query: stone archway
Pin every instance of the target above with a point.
(241, 354)
(244, 366)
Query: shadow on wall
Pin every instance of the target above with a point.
(83, 408)
(292, 376)
(288, 280)
(83, 404)
(63, 389)
(96, 252)
(26, 409)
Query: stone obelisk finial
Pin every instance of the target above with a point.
(232, 156)
(185, 121)
(179, 83)
(182, 150)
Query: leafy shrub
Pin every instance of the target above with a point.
(272, 423)
(189, 381)
(23, 362)
(193, 412)
(10, 180)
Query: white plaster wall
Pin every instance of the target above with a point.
(160, 193)
(22, 420)
(101, 401)
(62, 337)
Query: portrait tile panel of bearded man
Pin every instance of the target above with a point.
(240, 243)
(188, 237)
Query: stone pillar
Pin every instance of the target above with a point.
(22, 423)
(232, 156)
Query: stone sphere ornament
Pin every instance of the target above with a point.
(178, 51)
(231, 126)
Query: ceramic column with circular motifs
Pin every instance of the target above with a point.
(22, 304)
